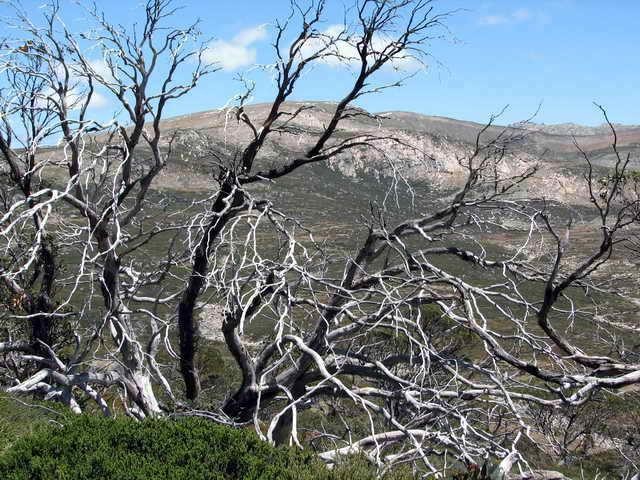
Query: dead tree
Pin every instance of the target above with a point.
(385, 31)
(517, 312)
(101, 175)
(429, 342)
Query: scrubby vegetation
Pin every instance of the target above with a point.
(90, 447)
(20, 419)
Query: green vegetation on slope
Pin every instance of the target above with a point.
(18, 419)
(90, 447)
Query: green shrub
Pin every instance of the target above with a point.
(18, 419)
(89, 447)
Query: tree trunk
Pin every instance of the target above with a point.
(41, 306)
(188, 330)
(282, 432)
(227, 199)
(124, 336)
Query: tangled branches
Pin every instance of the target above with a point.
(433, 342)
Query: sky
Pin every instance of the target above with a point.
(561, 55)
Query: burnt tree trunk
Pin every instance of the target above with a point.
(42, 305)
(228, 198)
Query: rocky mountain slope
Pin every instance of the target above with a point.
(425, 149)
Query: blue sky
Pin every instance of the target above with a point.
(563, 53)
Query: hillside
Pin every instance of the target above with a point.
(427, 147)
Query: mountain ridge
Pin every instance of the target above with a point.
(551, 129)
(413, 147)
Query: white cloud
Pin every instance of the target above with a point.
(338, 52)
(521, 15)
(98, 100)
(229, 56)
(78, 88)
(240, 51)
(251, 35)
(494, 20)
(101, 68)
(77, 96)
(342, 51)
(237, 52)
(74, 100)
(517, 16)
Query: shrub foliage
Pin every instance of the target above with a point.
(97, 448)
(90, 447)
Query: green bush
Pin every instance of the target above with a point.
(95, 448)
(89, 447)
(18, 419)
